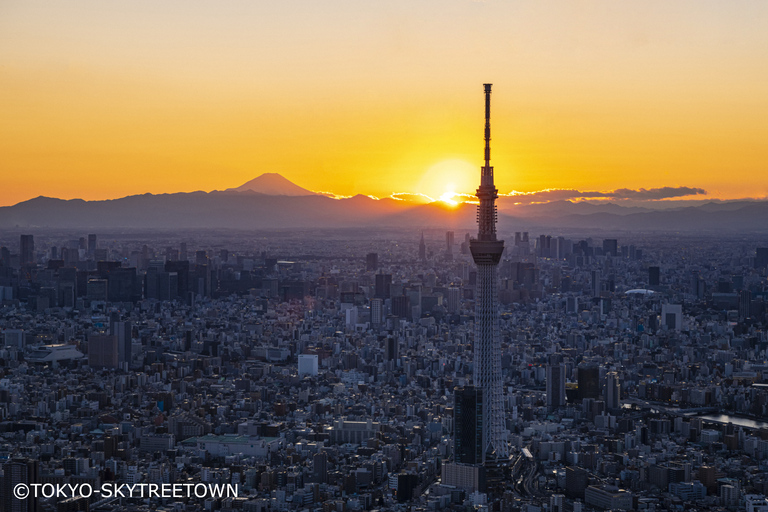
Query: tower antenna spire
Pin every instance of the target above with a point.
(488, 127)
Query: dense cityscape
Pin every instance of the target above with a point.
(320, 370)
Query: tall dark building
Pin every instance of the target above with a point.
(422, 248)
(468, 416)
(761, 257)
(103, 351)
(15, 472)
(91, 245)
(123, 331)
(383, 286)
(654, 276)
(372, 262)
(589, 381)
(555, 386)
(611, 247)
(320, 467)
(400, 305)
(392, 348)
(26, 250)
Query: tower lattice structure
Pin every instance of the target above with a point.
(486, 251)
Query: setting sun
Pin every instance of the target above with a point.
(445, 178)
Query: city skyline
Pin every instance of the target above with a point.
(105, 100)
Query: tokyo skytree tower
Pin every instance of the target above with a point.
(486, 252)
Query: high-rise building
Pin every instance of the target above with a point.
(91, 245)
(16, 472)
(557, 503)
(383, 288)
(761, 257)
(449, 241)
(372, 262)
(611, 247)
(612, 391)
(103, 351)
(392, 348)
(469, 431)
(454, 300)
(26, 250)
(123, 332)
(654, 276)
(486, 252)
(377, 311)
(422, 248)
(320, 467)
(555, 386)
(589, 381)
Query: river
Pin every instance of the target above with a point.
(743, 422)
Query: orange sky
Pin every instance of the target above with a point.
(102, 99)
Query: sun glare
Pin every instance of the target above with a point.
(448, 180)
(447, 198)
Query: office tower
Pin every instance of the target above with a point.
(91, 245)
(308, 364)
(383, 288)
(320, 467)
(454, 300)
(377, 311)
(589, 381)
(555, 386)
(745, 304)
(27, 250)
(103, 351)
(16, 472)
(468, 420)
(183, 251)
(595, 283)
(449, 238)
(612, 391)
(14, 338)
(123, 332)
(372, 262)
(611, 247)
(486, 252)
(654, 276)
(672, 316)
(761, 257)
(557, 503)
(422, 248)
(400, 305)
(392, 348)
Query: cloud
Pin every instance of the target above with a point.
(412, 197)
(330, 194)
(642, 194)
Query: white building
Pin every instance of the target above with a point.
(308, 364)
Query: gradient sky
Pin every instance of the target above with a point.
(102, 99)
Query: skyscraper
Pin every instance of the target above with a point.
(372, 261)
(555, 386)
(422, 248)
(486, 252)
(468, 413)
(15, 472)
(103, 351)
(612, 391)
(27, 250)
